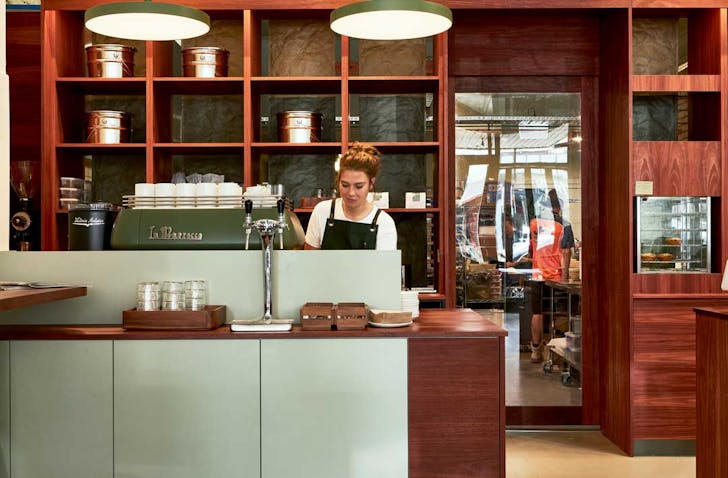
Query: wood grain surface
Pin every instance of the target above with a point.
(678, 168)
(492, 44)
(712, 399)
(663, 368)
(615, 212)
(676, 283)
(455, 397)
(672, 83)
(462, 323)
(16, 298)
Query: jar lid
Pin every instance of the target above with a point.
(107, 113)
(110, 46)
(215, 49)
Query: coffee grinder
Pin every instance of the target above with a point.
(24, 178)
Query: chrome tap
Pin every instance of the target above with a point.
(267, 228)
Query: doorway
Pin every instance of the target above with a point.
(519, 231)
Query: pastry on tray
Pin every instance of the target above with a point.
(665, 256)
(648, 257)
(673, 241)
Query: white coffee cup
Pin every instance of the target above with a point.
(229, 189)
(144, 190)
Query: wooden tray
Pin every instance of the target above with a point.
(317, 316)
(351, 315)
(211, 318)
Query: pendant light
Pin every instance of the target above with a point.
(391, 19)
(147, 20)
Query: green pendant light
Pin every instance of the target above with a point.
(147, 20)
(391, 19)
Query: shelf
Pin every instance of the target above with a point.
(388, 85)
(94, 148)
(675, 83)
(199, 86)
(199, 148)
(103, 86)
(394, 210)
(291, 85)
(297, 148)
(406, 147)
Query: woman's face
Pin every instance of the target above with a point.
(354, 187)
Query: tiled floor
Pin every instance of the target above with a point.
(583, 454)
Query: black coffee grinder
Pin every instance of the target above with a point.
(24, 231)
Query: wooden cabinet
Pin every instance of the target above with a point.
(386, 93)
(61, 413)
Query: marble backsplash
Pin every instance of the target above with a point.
(655, 46)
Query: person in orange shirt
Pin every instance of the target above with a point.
(552, 240)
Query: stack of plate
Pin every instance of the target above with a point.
(230, 201)
(411, 302)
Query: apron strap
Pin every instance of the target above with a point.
(330, 221)
(373, 227)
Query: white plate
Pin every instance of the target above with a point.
(388, 326)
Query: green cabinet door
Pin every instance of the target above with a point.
(187, 408)
(334, 408)
(61, 409)
(4, 409)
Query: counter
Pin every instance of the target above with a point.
(420, 401)
(712, 391)
(17, 298)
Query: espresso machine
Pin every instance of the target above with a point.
(24, 221)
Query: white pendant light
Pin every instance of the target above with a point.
(147, 20)
(391, 19)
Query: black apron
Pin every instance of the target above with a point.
(340, 234)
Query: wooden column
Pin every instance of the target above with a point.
(712, 392)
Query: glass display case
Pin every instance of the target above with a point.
(673, 234)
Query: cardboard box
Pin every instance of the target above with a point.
(415, 200)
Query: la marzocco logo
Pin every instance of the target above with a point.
(94, 221)
(166, 233)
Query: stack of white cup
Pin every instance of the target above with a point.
(206, 195)
(144, 195)
(164, 195)
(229, 195)
(186, 195)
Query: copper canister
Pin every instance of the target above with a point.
(205, 62)
(299, 126)
(108, 60)
(108, 127)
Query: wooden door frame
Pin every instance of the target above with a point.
(587, 86)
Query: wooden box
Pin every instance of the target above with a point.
(351, 315)
(317, 316)
(212, 317)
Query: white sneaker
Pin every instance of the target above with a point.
(537, 353)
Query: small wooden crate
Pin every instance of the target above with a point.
(351, 316)
(212, 317)
(317, 316)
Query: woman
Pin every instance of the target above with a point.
(351, 221)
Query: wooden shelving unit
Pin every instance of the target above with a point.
(244, 144)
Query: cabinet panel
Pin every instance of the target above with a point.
(186, 408)
(61, 415)
(4, 409)
(663, 368)
(678, 168)
(333, 408)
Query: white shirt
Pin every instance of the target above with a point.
(386, 232)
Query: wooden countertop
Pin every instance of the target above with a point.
(16, 298)
(717, 312)
(431, 323)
